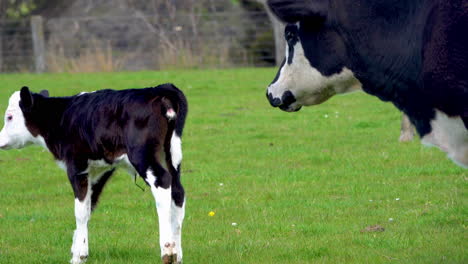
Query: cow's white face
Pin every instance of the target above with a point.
(15, 134)
(299, 84)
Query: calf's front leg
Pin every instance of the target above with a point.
(82, 190)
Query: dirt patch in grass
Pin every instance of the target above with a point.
(373, 228)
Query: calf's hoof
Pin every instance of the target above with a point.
(170, 259)
(169, 254)
(79, 260)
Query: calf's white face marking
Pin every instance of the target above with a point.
(15, 134)
(307, 84)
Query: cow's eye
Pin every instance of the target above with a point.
(10, 117)
(291, 38)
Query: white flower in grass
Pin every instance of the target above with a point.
(390, 219)
(397, 199)
(234, 224)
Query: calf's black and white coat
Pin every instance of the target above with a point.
(91, 134)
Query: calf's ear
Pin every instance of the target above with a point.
(293, 11)
(26, 98)
(44, 93)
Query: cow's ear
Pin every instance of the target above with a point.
(292, 11)
(44, 93)
(26, 98)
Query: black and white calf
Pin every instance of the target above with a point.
(91, 134)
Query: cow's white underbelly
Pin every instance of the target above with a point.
(450, 135)
(96, 168)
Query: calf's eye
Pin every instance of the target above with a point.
(9, 118)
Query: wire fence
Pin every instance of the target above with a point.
(136, 42)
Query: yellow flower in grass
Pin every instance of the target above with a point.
(211, 213)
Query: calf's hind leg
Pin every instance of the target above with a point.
(178, 213)
(160, 182)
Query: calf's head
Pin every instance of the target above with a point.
(15, 133)
(313, 70)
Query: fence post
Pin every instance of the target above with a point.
(278, 34)
(37, 31)
(1, 47)
(280, 42)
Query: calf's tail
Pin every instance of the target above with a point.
(175, 103)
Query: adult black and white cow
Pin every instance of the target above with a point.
(91, 134)
(411, 53)
(308, 91)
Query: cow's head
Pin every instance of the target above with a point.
(313, 70)
(15, 133)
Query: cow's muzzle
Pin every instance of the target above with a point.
(285, 103)
(275, 102)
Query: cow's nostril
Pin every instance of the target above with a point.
(288, 98)
(275, 102)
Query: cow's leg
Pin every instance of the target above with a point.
(159, 180)
(173, 157)
(178, 213)
(407, 129)
(82, 189)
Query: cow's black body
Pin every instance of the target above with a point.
(412, 53)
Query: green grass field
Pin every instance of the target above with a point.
(300, 186)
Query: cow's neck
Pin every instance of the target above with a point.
(347, 85)
(44, 122)
(389, 51)
(388, 54)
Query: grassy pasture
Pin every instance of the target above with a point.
(300, 186)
